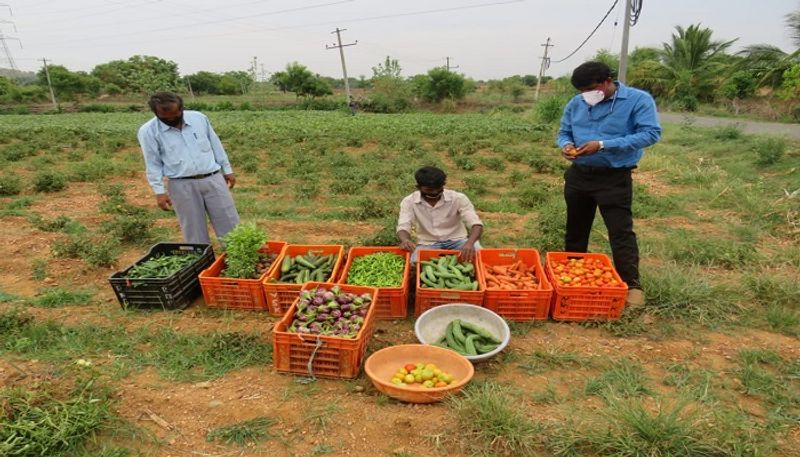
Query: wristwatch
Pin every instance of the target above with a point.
(601, 145)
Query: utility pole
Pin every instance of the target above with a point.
(623, 54)
(544, 66)
(4, 46)
(49, 84)
(254, 68)
(341, 54)
(263, 73)
(447, 65)
(189, 85)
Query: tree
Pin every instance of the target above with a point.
(793, 22)
(298, 79)
(529, 80)
(692, 62)
(388, 68)
(139, 74)
(441, 83)
(740, 84)
(68, 84)
(390, 92)
(766, 62)
(204, 82)
(605, 56)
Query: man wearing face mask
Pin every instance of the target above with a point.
(183, 147)
(603, 133)
(441, 217)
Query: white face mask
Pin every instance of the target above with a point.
(593, 97)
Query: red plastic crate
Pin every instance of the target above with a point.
(233, 293)
(280, 296)
(393, 302)
(585, 302)
(333, 357)
(516, 305)
(427, 297)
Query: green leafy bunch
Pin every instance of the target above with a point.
(242, 245)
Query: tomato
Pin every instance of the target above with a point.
(409, 367)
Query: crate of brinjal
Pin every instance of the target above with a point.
(233, 281)
(324, 333)
(442, 278)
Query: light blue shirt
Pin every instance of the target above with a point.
(626, 124)
(193, 150)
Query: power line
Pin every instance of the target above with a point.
(277, 29)
(174, 27)
(590, 35)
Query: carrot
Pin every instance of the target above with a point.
(501, 270)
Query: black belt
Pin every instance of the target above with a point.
(198, 176)
(600, 170)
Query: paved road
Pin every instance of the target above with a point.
(747, 126)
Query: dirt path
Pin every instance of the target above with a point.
(747, 126)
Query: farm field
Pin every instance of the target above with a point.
(711, 366)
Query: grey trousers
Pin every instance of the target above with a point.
(193, 198)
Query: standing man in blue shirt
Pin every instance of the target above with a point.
(604, 131)
(183, 147)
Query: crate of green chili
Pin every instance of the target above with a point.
(165, 278)
(386, 268)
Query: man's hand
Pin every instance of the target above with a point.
(467, 253)
(569, 152)
(163, 202)
(230, 179)
(589, 148)
(408, 245)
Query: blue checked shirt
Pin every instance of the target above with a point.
(626, 124)
(193, 150)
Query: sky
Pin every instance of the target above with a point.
(485, 39)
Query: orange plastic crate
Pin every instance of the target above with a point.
(427, 298)
(516, 305)
(232, 293)
(333, 357)
(393, 303)
(585, 302)
(280, 296)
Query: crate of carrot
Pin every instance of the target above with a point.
(515, 284)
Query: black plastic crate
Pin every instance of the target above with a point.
(174, 292)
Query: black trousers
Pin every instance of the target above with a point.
(611, 190)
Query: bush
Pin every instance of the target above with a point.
(49, 181)
(549, 109)
(769, 150)
(10, 184)
(97, 108)
(729, 132)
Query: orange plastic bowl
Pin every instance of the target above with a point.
(382, 365)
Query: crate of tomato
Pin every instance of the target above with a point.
(325, 331)
(224, 287)
(442, 278)
(585, 286)
(165, 278)
(386, 268)
(514, 283)
(298, 264)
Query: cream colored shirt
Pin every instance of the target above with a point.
(447, 220)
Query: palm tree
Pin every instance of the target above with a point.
(793, 21)
(693, 62)
(767, 63)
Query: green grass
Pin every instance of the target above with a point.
(47, 423)
(185, 357)
(541, 361)
(673, 428)
(624, 378)
(242, 433)
(57, 297)
(491, 421)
